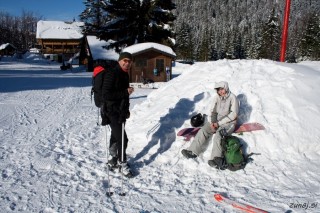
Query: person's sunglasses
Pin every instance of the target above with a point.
(127, 60)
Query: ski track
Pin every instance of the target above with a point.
(53, 153)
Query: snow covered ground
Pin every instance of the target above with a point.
(53, 154)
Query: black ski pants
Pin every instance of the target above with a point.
(116, 136)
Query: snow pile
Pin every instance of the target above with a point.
(53, 155)
(32, 57)
(277, 95)
(283, 97)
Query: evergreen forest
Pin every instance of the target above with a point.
(246, 29)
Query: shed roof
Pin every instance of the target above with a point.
(59, 30)
(4, 46)
(141, 47)
(97, 50)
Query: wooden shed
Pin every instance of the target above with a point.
(151, 61)
(7, 49)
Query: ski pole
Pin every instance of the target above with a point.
(122, 160)
(108, 193)
(98, 118)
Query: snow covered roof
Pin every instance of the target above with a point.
(101, 53)
(136, 48)
(4, 46)
(59, 30)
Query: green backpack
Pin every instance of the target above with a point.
(233, 158)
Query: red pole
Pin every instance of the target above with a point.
(285, 31)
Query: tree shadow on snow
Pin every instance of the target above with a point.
(23, 80)
(166, 134)
(244, 110)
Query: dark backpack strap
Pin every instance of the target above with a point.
(92, 89)
(248, 158)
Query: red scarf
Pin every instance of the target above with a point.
(125, 70)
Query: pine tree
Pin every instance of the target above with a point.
(161, 22)
(93, 16)
(213, 54)
(138, 21)
(239, 52)
(204, 50)
(310, 43)
(229, 46)
(190, 51)
(184, 43)
(270, 43)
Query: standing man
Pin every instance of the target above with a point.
(115, 93)
(224, 113)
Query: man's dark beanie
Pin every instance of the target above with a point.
(125, 55)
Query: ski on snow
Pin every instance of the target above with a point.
(237, 205)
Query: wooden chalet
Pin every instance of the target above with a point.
(152, 62)
(59, 39)
(7, 49)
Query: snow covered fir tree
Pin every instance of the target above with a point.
(132, 21)
(93, 16)
(270, 39)
(310, 42)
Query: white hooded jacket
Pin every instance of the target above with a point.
(225, 108)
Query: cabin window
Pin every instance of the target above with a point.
(141, 62)
(160, 65)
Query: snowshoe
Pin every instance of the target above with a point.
(124, 168)
(113, 163)
(188, 154)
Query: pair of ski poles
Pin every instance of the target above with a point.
(109, 193)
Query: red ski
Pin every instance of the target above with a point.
(189, 133)
(237, 205)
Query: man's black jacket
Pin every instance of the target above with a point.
(115, 85)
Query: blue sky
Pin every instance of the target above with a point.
(50, 10)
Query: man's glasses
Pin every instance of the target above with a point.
(127, 60)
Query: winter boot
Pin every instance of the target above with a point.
(112, 163)
(124, 168)
(188, 154)
(217, 163)
(213, 164)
